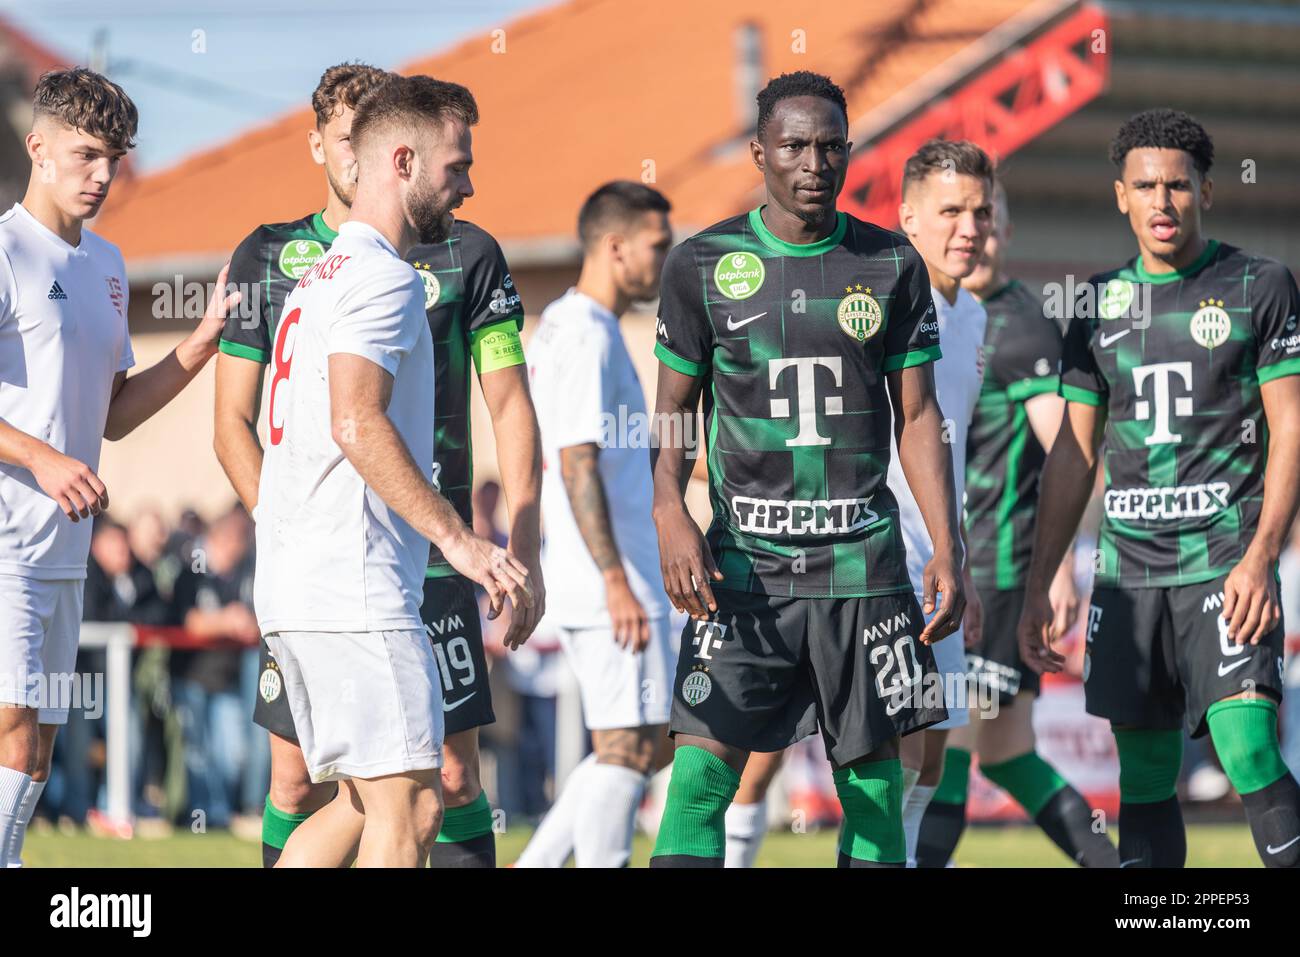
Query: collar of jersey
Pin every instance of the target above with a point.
(318, 223)
(50, 235)
(1206, 255)
(796, 249)
(1002, 290)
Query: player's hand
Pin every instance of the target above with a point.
(70, 482)
(1064, 599)
(631, 624)
(1035, 634)
(942, 576)
(205, 337)
(1250, 602)
(501, 574)
(524, 619)
(686, 563)
(973, 621)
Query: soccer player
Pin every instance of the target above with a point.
(474, 312)
(602, 558)
(1183, 363)
(946, 212)
(804, 329)
(64, 355)
(1016, 419)
(346, 505)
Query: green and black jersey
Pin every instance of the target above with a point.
(474, 312)
(795, 342)
(1004, 459)
(1177, 360)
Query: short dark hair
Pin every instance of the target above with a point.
(1166, 129)
(798, 83)
(89, 103)
(410, 99)
(960, 157)
(341, 86)
(616, 204)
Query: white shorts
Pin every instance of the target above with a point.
(619, 688)
(40, 625)
(364, 704)
(950, 659)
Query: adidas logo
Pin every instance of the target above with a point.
(56, 291)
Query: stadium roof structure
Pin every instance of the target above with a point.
(592, 90)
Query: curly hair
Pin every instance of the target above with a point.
(89, 103)
(799, 83)
(342, 86)
(1164, 129)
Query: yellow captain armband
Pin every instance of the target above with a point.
(496, 347)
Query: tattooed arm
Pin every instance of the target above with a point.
(579, 467)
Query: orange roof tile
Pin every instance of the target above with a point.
(586, 91)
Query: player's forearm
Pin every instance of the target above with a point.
(144, 394)
(1063, 495)
(240, 453)
(381, 458)
(519, 457)
(16, 446)
(580, 471)
(675, 405)
(1281, 473)
(927, 464)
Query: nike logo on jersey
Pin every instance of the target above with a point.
(1278, 850)
(1108, 340)
(733, 326)
(1232, 667)
(452, 707)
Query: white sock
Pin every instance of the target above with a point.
(14, 856)
(13, 788)
(606, 815)
(552, 842)
(913, 811)
(746, 828)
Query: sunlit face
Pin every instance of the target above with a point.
(948, 217)
(76, 168)
(441, 180)
(639, 255)
(804, 155)
(331, 147)
(1163, 196)
(989, 266)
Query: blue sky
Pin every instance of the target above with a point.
(263, 57)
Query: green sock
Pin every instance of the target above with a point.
(871, 794)
(277, 825)
(1244, 731)
(955, 782)
(699, 793)
(460, 824)
(1148, 764)
(1029, 779)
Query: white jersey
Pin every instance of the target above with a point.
(957, 377)
(586, 389)
(63, 338)
(331, 556)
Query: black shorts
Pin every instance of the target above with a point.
(450, 616)
(765, 671)
(1159, 657)
(995, 662)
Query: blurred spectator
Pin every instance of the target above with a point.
(148, 537)
(213, 600)
(1289, 573)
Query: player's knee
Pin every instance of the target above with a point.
(460, 783)
(298, 795)
(1244, 731)
(1149, 762)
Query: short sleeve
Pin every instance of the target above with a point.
(370, 318)
(490, 293)
(912, 329)
(1081, 379)
(582, 365)
(683, 332)
(246, 334)
(1027, 361)
(1273, 308)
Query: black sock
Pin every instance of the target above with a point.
(478, 852)
(941, 829)
(1067, 820)
(1152, 835)
(846, 861)
(685, 860)
(270, 854)
(1274, 817)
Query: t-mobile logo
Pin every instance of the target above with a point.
(805, 375)
(1160, 373)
